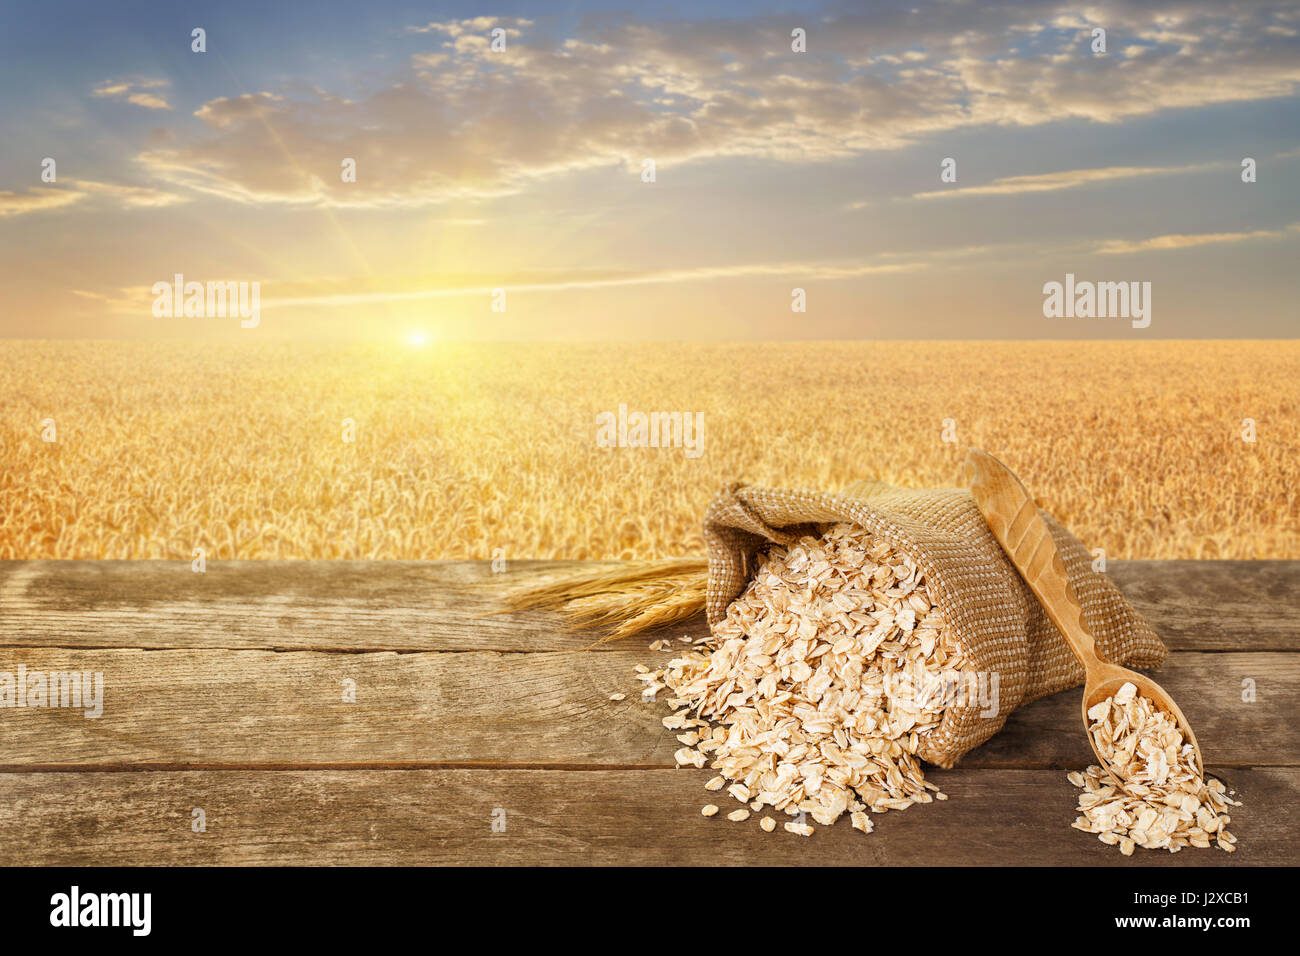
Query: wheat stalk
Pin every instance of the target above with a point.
(637, 597)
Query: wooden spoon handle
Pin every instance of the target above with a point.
(1014, 520)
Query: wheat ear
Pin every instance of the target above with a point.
(634, 598)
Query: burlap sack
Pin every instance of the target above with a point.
(997, 619)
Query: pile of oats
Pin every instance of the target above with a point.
(812, 696)
(1161, 800)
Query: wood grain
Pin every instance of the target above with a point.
(224, 691)
(435, 605)
(269, 605)
(1216, 605)
(220, 707)
(606, 818)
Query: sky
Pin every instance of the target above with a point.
(502, 194)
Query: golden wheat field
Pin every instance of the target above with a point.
(465, 451)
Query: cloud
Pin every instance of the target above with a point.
(138, 91)
(36, 200)
(346, 291)
(131, 197)
(1186, 241)
(476, 25)
(1067, 179)
(603, 280)
(123, 196)
(459, 121)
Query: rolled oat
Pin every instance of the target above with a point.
(1160, 800)
(813, 694)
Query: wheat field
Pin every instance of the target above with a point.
(475, 450)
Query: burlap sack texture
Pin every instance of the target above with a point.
(995, 615)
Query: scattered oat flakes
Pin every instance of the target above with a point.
(1161, 801)
(686, 756)
(618, 696)
(739, 791)
(709, 809)
(861, 822)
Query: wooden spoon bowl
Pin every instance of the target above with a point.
(1107, 681)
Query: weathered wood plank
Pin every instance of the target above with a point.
(299, 605)
(434, 605)
(608, 818)
(210, 708)
(1216, 605)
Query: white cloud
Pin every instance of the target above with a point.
(131, 197)
(805, 271)
(36, 200)
(1066, 179)
(44, 199)
(476, 25)
(1186, 241)
(460, 121)
(139, 91)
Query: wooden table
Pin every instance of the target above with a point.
(492, 740)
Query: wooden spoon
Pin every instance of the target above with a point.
(1014, 520)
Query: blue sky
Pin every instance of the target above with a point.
(774, 169)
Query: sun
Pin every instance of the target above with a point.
(417, 338)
